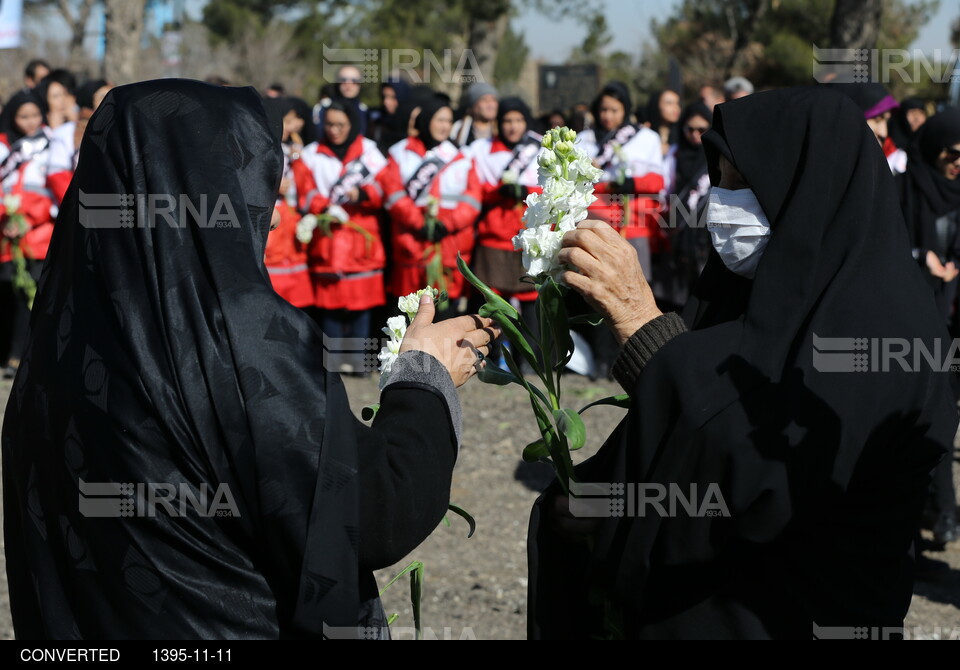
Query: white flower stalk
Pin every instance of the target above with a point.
(567, 177)
(510, 177)
(396, 329)
(305, 228)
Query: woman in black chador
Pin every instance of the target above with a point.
(811, 455)
(162, 365)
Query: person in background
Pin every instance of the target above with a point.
(905, 124)
(285, 257)
(276, 90)
(480, 113)
(58, 92)
(348, 87)
(65, 140)
(711, 96)
(336, 178)
(737, 87)
(688, 183)
(34, 72)
(24, 159)
(662, 114)
(930, 201)
(387, 126)
(506, 166)
(433, 197)
(628, 193)
(877, 106)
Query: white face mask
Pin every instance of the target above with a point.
(738, 227)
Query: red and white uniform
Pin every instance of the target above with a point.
(457, 190)
(285, 257)
(37, 201)
(642, 163)
(347, 267)
(502, 216)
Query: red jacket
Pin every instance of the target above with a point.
(458, 192)
(286, 260)
(346, 267)
(30, 182)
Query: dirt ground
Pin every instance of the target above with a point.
(476, 588)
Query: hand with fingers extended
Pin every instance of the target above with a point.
(609, 277)
(460, 344)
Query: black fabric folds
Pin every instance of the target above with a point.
(823, 473)
(161, 355)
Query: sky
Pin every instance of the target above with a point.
(629, 24)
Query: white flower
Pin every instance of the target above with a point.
(339, 213)
(395, 329)
(11, 203)
(305, 228)
(510, 177)
(539, 247)
(410, 304)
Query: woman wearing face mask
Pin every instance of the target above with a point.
(432, 195)
(507, 168)
(786, 464)
(336, 178)
(24, 168)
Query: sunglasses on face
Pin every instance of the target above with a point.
(952, 155)
(350, 80)
(700, 130)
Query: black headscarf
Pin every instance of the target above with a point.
(8, 124)
(691, 159)
(513, 105)
(817, 469)
(428, 109)
(618, 91)
(926, 194)
(899, 129)
(655, 119)
(347, 107)
(161, 353)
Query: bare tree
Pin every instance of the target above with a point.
(855, 24)
(76, 13)
(124, 31)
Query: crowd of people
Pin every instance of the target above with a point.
(375, 204)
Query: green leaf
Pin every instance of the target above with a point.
(416, 597)
(557, 343)
(459, 511)
(622, 401)
(536, 451)
(593, 319)
(571, 425)
(445, 521)
(369, 412)
(492, 298)
(393, 617)
(491, 374)
(409, 568)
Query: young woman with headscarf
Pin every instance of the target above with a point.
(348, 88)
(688, 183)
(285, 257)
(338, 177)
(629, 190)
(905, 124)
(662, 116)
(162, 364)
(810, 455)
(433, 197)
(507, 168)
(930, 199)
(877, 106)
(24, 175)
(387, 125)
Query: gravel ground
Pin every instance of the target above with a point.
(476, 588)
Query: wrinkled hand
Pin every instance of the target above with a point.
(453, 342)
(609, 277)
